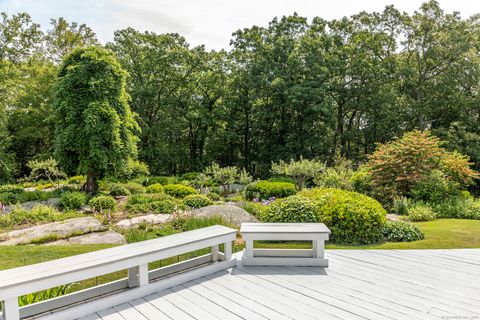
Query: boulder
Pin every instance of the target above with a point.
(230, 213)
(148, 219)
(59, 229)
(107, 237)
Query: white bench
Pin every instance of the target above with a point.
(318, 233)
(132, 257)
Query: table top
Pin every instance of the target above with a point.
(284, 228)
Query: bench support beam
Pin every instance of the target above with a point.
(10, 309)
(138, 276)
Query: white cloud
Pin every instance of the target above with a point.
(209, 22)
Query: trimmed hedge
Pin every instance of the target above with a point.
(197, 201)
(290, 209)
(399, 231)
(352, 217)
(266, 189)
(179, 190)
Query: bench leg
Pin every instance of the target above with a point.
(138, 276)
(227, 250)
(318, 248)
(215, 253)
(249, 248)
(10, 309)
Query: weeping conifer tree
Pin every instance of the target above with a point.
(96, 130)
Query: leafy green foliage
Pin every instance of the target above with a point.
(266, 189)
(133, 187)
(77, 180)
(95, 129)
(163, 206)
(290, 209)
(20, 216)
(119, 191)
(434, 188)
(352, 217)
(72, 200)
(45, 169)
(459, 208)
(421, 212)
(399, 231)
(339, 176)
(179, 190)
(400, 205)
(197, 201)
(9, 198)
(11, 188)
(155, 188)
(102, 203)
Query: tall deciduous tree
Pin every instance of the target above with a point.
(95, 130)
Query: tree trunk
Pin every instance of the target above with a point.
(91, 184)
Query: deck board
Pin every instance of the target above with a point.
(359, 284)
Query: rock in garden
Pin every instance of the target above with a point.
(107, 237)
(231, 214)
(59, 229)
(393, 217)
(148, 219)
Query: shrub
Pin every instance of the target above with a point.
(77, 180)
(155, 188)
(352, 217)
(214, 196)
(72, 200)
(300, 170)
(338, 176)
(420, 212)
(266, 189)
(146, 181)
(435, 188)
(119, 191)
(10, 188)
(361, 181)
(197, 201)
(400, 205)
(34, 196)
(163, 206)
(133, 170)
(190, 176)
(396, 167)
(290, 209)
(400, 231)
(134, 187)
(9, 198)
(187, 224)
(179, 190)
(459, 208)
(102, 203)
(254, 208)
(139, 203)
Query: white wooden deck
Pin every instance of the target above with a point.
(359, 284)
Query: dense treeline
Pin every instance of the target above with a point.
(312, 88)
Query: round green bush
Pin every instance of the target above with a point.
(179, 190)
(352, 217)
(197, 201)
(119, 191)
(399, 231)
(163, 206)
(102, 203)
(421, 212)
(134, 188)
(155, 188)
(290, 209)
(72, 200)
(266, 189)
(9, 198)
(10, 188)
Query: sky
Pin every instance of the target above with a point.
(208, 22)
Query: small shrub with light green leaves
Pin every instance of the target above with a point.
(72, 200)
(39, 213)
(163, 206)
(179, 190)
(290, 209)
(77, 180)
(102, 203)
(134, 187)
(401, 205)
(155, 188)
(197, 201)
(119, 190)
(9, 198)
(400, 231)
(352, 217)
(214, 196)
(421, 212)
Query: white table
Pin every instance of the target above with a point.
(318, 233)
